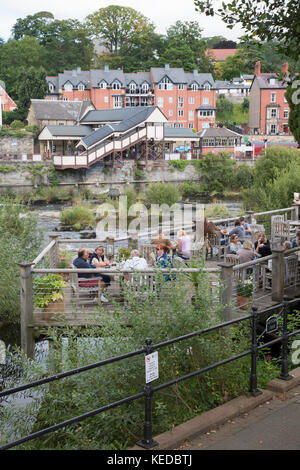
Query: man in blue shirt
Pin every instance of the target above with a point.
(296, 241)
(81, 262)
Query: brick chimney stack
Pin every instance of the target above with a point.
(257, 69)
(285, 69)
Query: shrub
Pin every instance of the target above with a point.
(163, 193)
(17, 125)
(78, 217)
(179, 164)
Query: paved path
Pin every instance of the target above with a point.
(272, 426)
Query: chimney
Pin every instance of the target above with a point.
(285, 69)
(195, 73)
(257, 69)
(106, 68)
(78, 70)
(167, 67)
(74, 73)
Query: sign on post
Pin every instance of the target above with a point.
(271, 324)
(151, 365)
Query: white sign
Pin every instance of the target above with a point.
(151, 364)
(2, 352)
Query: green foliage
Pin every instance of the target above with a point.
(179, 164)
(245, 288)
(17, 125)
(276, 178)
(292, 96)
(216, 171)
(20, 241)
(123, 254)
(78, 217)
(243, 177)
(7, 168)
(47, 289)
(192, 190)
(166, 314)
(216, 210)
(163, 193)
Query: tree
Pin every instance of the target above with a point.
(264, 19)
(32, 84)
(233, 66)
(32, 25)
(292, 96)
(118, 26)
(224, 107)
(225, 45)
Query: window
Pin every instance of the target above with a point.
(284, 99)
(180, 86)
(116, 85)
(180, 101)
(117, 103)
(273, 113)
(160, 101)
(194, 86)
(132, 87)
(191, 100)
(191, 125)
(103, 85)
(81, 87)
(180, 112)
(273, 97)
(205, 100)
(170, 112)
(285, 113)
(191, 115)
(165, 84)
(105, 99)
(170, 99)
(68, 87)
(51, 87)
(65, 99)
(145, 88)
(205, 125)
(273, 128)
(205, 113)
(206, 86)
(272, 81)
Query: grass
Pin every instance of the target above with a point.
(237, 116)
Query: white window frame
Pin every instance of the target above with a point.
(81, 87)
(205, 100)
(170, 112)
(206, 87)
(68, 87)
(117, 101)
(103, 85)
(165, 84)
(194, 87)
(273, 113)
(105, 99)
(180, 112)
(191, 115)
(191, 100)
(180, 86)
(160, 101)
(170, 99)
(116, 85)
(273, 97)
(132, 87)
(180, 101)
(285, 113)
(51, 87)
(145, 88)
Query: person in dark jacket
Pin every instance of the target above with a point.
(262, 245)
(81, 262)
(99, 258)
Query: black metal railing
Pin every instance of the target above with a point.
(148, 392)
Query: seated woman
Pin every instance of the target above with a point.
(99, 259)
(183, 245)
(234, 244)
(246, 253)
(163, 259)
(262, 245)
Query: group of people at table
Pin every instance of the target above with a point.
(87, 260)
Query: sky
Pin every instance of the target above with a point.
(162, 13)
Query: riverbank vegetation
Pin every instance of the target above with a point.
(182, 306)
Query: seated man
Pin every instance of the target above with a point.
(81, 262)
(134, 262)
(246, 227)
(296, 241)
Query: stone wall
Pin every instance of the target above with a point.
(16, 145)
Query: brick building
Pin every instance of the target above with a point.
(7, 103)
(186, 99)
(269, 110)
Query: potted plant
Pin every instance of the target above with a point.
(48, 294)
(245, 293)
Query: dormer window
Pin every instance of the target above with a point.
(166, 84)
(51, 87)
(103, 85)
(81, 87)
(116, 85)
(145, 88)
(272, 81)
(206, 86)
(68, 87)
(132, 87)
(194, 86)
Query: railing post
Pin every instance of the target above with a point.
(249, 216)
(284, 374)
(226, 295)
(278, 274)
(27, 334)
(253, 377)
(147, 442)
(54, 252)
(295, 212)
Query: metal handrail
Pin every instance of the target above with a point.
(147, 441)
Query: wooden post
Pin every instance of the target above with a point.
(295, 212)
(226, 294)
(249, 216)
(278, 275)
(27, 333)
(54, 252)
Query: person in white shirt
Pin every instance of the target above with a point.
(134, 263)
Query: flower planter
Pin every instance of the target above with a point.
(244, 302)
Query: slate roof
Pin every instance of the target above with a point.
(180, 132)
(140, 115)
(264, 81)
(139, 78)
(200, 78)
(217, 132)
(75, 77)
(176, 75)
(69, 131)
(58, 109)
(109, 76)
(112, 115)
(54, 81)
